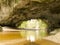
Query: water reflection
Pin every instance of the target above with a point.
(36, 29)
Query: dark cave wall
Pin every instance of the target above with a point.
(13, 14)
(44, 11)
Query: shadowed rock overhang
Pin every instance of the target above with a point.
(48, 12)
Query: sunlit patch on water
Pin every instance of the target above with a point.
(31, 38)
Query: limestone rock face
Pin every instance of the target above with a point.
(44, 11)
(14, 12)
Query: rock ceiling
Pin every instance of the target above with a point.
(49, 12)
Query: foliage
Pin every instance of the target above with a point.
(34, 24)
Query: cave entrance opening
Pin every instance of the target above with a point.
(34, 29)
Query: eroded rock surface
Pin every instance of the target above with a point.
(11, 15)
